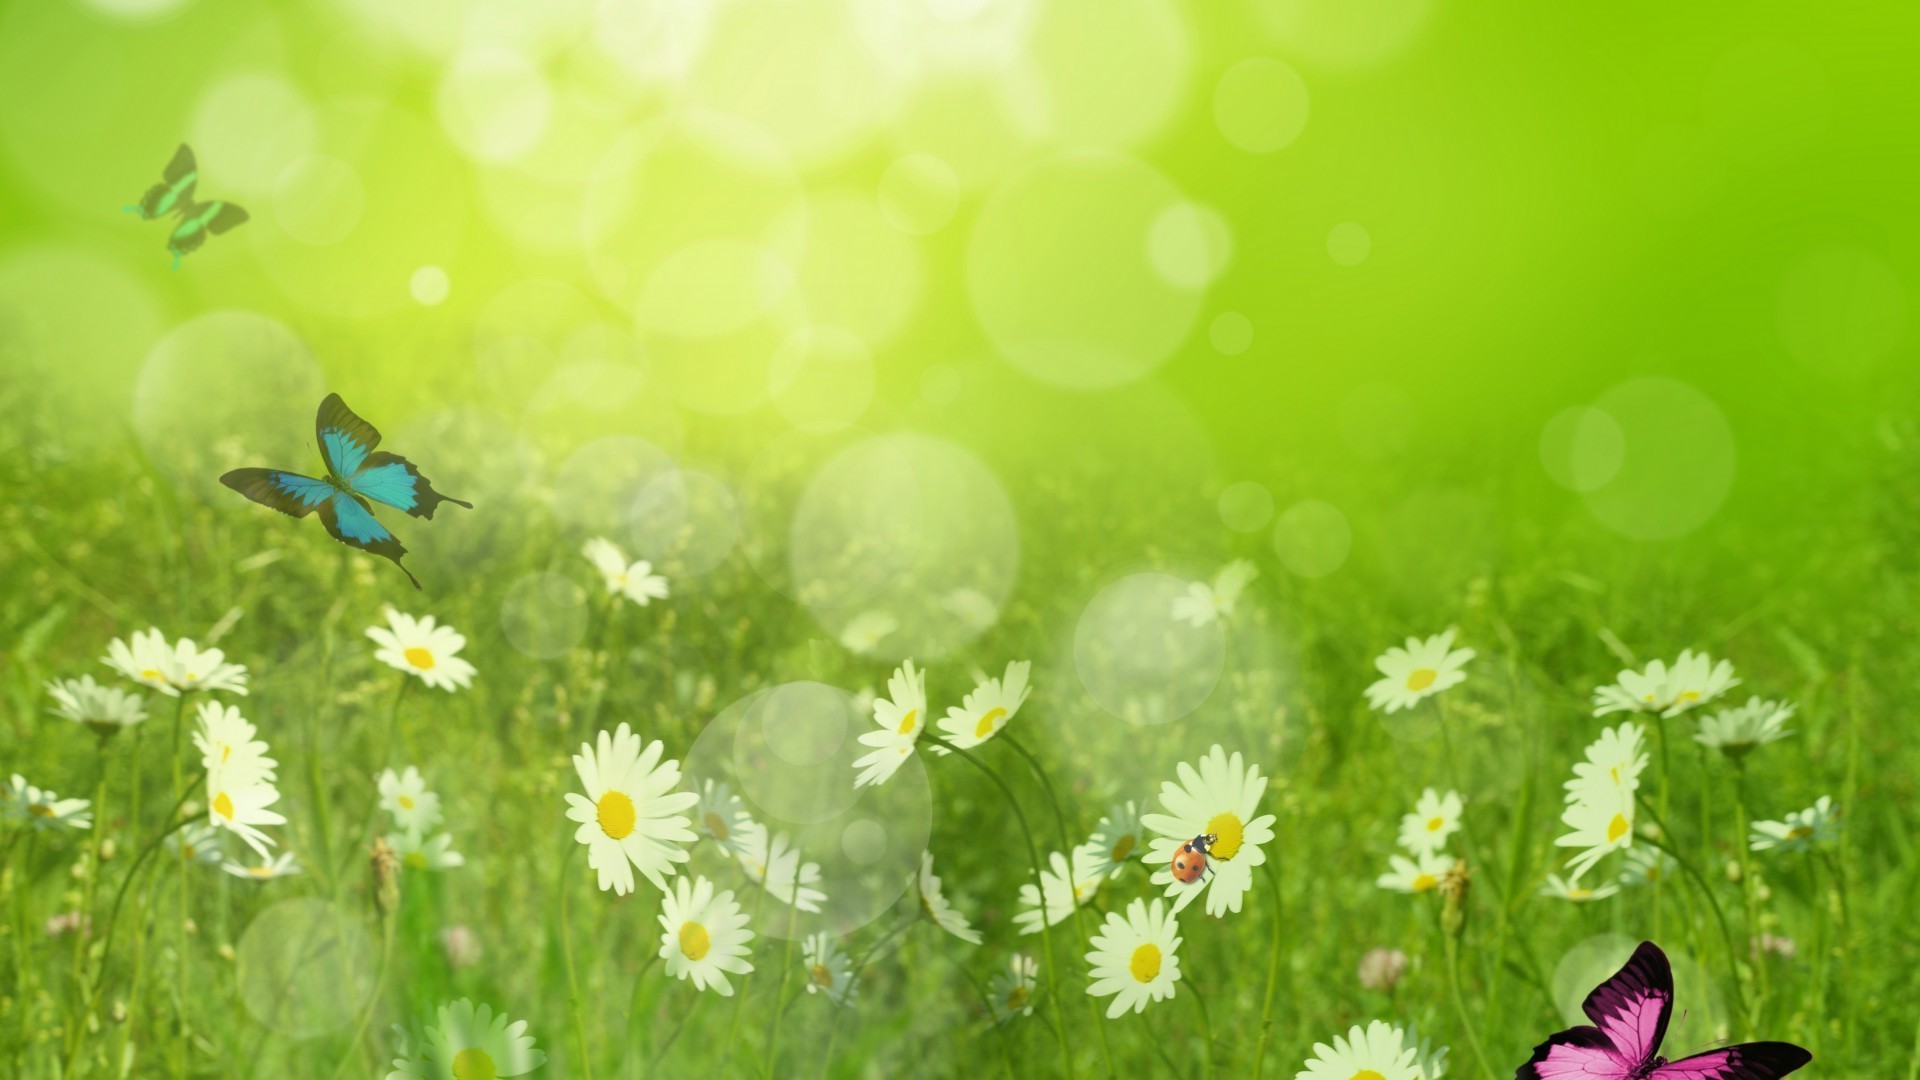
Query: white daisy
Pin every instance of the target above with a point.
(417, 852)
(196, 843)
(1203, 603)
(1737, 731)
(422, 649)
(972, 608)
(864, 632)
(472, 1043)
(1377, 1052)
(226, 741)
(146, 658)
(1817, 825)
(900, 717)
(1422, 873)
(1135, 960)
(1694, 679)
(195, 668)
(986, 710)
(282, 866)
(704, 936)
(772, 862)
(934, 902)
(630, 816)
(1117, 836)
(1065, 892)
(1600, 797)
(1011, 992)
(45, 810)
(1219, 801)
(828, 970)
(405, 796)
(1645, 865)
(635, 580)
(720, 817)
(1416, 671)
(1560, 887)
(105, 709)
(237, 800)
(1435, 817)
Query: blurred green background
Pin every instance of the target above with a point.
(1541, 321)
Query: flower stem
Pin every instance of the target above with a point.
(1206, 1024)
(573, 979)
(673, 1036)
(786, 965)
(639, 1029)
(1726, 934)
(740, 999)
(1273, 971)
(853, 983)
(1460, 1004)
(1748, 894)
(373, 1002)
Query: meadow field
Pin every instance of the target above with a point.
(929, 462)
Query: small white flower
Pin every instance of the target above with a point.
(237, 800)
(1067, 887)
(1557, 886)
(226, 740)
(1600, 797)
(630, 816)
(421, 648)
(720, 817)
(1645, 865)
(195, 668)
(1435, 817)
(1694, 679)
(635, 580)
(1379, 1051)
(934, 902)
(172, 669)
(1202, 603)
(1423, 873)
(972, 608)
(282, 866)
(864, 632)
(105, 709)
(417, 852)
(1816, 826)
(772, 862)
(45, 810)
(704, 936)
(1135, 960)
(988, 708)
(899, 717)
(1117, 837)
(1011, 992)
(197, 843)
(469, 1042)
(405, 796)
(1417, 671)
(828, 970)
(1220, 800)
(1737, 731)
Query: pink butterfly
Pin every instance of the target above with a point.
(1630, 1013)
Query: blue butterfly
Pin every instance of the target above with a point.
(355, 473)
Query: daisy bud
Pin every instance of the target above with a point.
(1453, 894)
(106, 851)
(119, 1012)
(386, 876)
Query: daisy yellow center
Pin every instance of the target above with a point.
(1617, 828)
(694, 941)
(223, 805)
(1367, 1074)
(406, 802)
(1435, 824)
(1017, 998)
(1688, 696)
(416, 861)
(474, 1063)
(1123, 847)
(40, 810)
(1579, 894)
(1420, 678)
(419, 658)
(1798, 832)
(985, 727)
(717, 826)
(226, 752)
(192, 677)
(821, 976)
(1145, 964)
(1227, 833)
(189, 852)
(260, 871)
(616, 815)
(149, 673)
(1425, 882)
(907, 722)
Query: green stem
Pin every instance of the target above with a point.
(120, 895)
(740, 999)
(786, 965)
(1726, 933)
(637, 1028)
(673, 1036)
(1748, 895)
(573, 979)
(1206, 1024)
(1273, 971)
(373, 1002)
(855, 976)
(1460, 1004)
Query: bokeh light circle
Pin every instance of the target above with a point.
(1139, 662)
(304, 967)
(1246, 506)
(1582, 448)
(1349, 243)
(429, 285)
(1678, 462)
(1345, 34)
(137, 10)
(1109, 104)
(1596, 959)
(597, 485)
(1230, 333)
(1189, 245)
(494, 104)
(1261, 105)
(919, 193)
(246, 129)
(1841, 311)
(858, 272)
(318, 200)
(1087, 309)
(1312, 538)
(685, 522)
(822, 379)
(544, 615)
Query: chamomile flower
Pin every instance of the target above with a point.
(1067, 886)
(281, 866)
(933, 901)
(900, 717)
(105, 709)
(196, 843)
(704, 935)
(1220, 801)
(720, 816)
(1422, 873)
(423, 649)
(1116, 838)
(630, 816)
(405, 796)
(1429, 1061)
(986, 710)
(1694, 679)
(1379, 1051)
(864, 632)
(195, 668)
(237, 801)
(1645, 865)
(1011, 993)
(1417, 671)
(1817, 825)
(828, 970)
(772, 862)
(226, 740)
(636, 580)
(1202, 603)
(146, 658)
(418, 852)
(45, 810)
(1435, 817)
(1135, 960)
(1557, 886)
(971, 607)
(470, 1042)
(1600, 797)
(1737, 731)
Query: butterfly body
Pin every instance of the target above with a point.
(173, 195)
(356, 473)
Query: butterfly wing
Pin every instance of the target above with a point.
(353, 524)
(1747, 1061)
(1632, 1008)
(182, 165)
(289, 493)
(392, 479)
(175, 189)
(229, 216)
(345, 439)
(1581, 1053)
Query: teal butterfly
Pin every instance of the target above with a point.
(356, 472)
(174, 195)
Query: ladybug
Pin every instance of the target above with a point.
(1191, 860)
